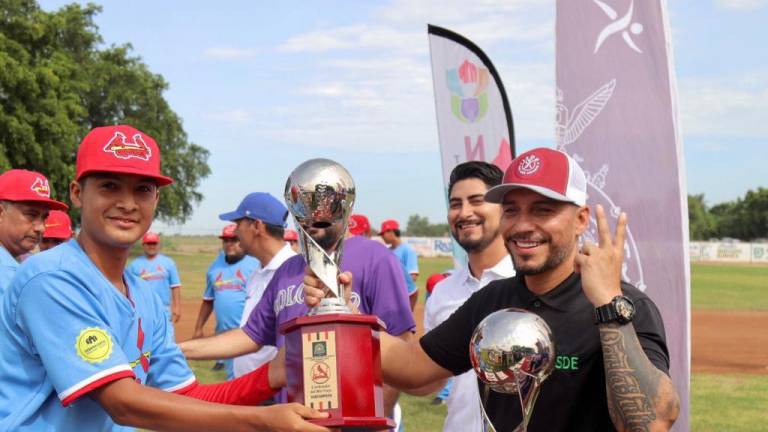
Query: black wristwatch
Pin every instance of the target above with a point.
(620, 310)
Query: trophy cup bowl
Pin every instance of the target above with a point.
(512, 352)
(333, 358)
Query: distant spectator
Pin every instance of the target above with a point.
(58, 229)
(292, 237)
(160, 273)
(226, 288)
(359, 225)
(390, 233)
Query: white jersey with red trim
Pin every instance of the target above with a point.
(65, 330)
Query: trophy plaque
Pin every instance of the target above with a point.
(333, 361)
(512, 352)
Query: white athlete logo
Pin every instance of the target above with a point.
(624, 25)
(570, 125)
(529, 165)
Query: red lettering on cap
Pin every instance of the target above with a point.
(124, 149)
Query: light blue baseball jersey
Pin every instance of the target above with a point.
(409, 261)
(65, 330)
(159, 273)
(8, 266)
(225, 285)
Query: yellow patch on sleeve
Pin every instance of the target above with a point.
(94, 345)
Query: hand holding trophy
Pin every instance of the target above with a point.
(512, 352)
(333, 359)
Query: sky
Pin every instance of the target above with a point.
(267, 85)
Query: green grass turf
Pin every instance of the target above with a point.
(729, 403)
(729, 287)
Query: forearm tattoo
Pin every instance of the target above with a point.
(631, 381)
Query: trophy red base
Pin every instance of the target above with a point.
(333, 364)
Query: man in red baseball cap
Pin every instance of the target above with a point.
(58, 229)
(96, 350)
(359, 225)
(292, 237)
(160, 273)
(409, 260)
(25, 199)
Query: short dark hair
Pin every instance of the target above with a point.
(488, 173)
(274, 231)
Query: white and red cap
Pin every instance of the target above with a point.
(229, 232)
(119, 149)
(57, 225)
(549, 172)
(23, 185)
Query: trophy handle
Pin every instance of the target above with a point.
(526, 402)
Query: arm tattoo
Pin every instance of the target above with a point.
(631, 380)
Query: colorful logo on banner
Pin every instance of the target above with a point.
(468, 84)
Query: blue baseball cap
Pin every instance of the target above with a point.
(261, 206)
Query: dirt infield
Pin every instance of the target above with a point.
(723, 342)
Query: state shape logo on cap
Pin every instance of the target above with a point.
(41, 188)
(119, 146)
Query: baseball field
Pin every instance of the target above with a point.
(729, 380)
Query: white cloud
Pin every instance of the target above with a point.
(229, 53)
(742, 5)
(725, 106)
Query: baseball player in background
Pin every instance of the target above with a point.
(58, 229)
(225, 287)
(409, 261)
(25, 199)
(84, 347)
(160, 273)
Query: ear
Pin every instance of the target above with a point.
(582, 220)
(75, 192)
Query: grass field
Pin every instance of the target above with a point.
(718, 402)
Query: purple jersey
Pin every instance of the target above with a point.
(378, 288)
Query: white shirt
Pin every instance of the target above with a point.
(450, 293)
(257, 284)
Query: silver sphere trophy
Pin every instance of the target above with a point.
(333, 358)
(512, 352)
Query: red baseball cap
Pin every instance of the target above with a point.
(549, 172)
(57, 225)
(290, 235)
(389, 225)
(433, 280)
(120, 149)
(229, 232)
(150, 237)
(23, 185)
(359, 225)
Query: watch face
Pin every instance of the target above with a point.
(624, 308)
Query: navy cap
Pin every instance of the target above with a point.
(261, 206)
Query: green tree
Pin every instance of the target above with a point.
(419, 226)
(701, 223)
(56, 83)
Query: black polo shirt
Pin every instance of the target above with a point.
(573, 398)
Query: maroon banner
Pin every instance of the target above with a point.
(617, 116)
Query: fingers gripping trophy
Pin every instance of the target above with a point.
(333, 359)
(512, 352)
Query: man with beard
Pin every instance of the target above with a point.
(25, 200)
(379, 289)
(474, 224)
(610, 333)
(225, 288)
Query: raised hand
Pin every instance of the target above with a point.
(600, 264)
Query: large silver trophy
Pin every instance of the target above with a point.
(319, 194)
(512, 352)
